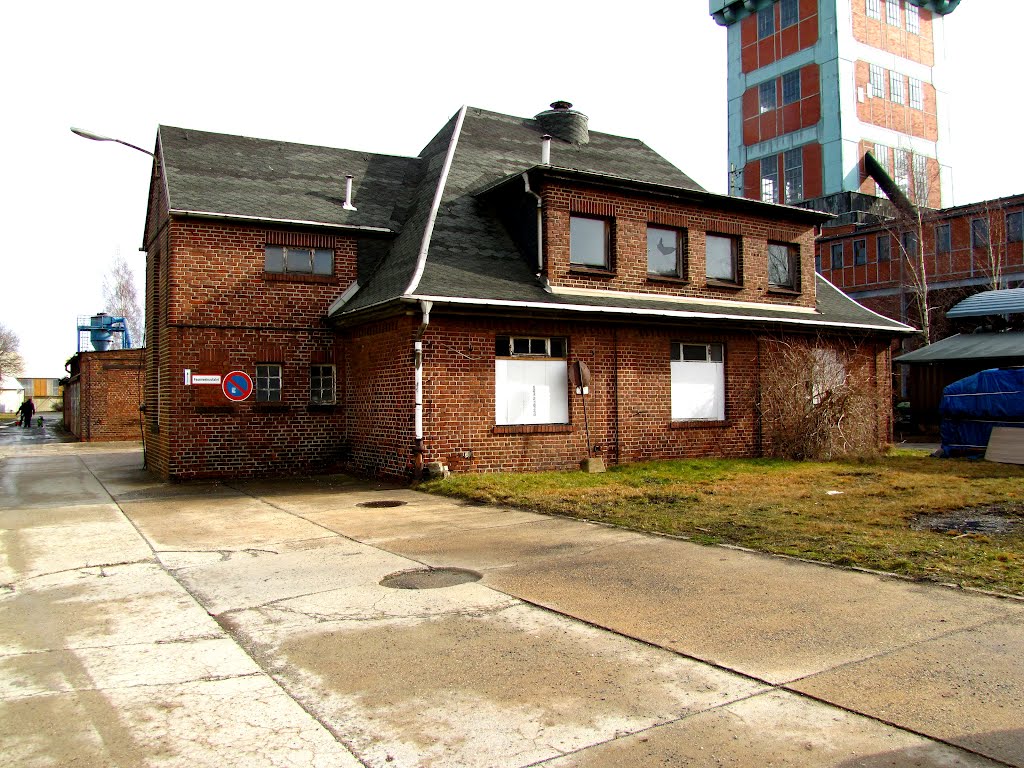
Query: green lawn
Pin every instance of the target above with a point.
(784, 507)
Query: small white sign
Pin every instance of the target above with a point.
(198, 378)
(188, 376)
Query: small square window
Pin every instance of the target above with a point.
(783, 265)
(268, 383)
(837, 255)
(722, 254)
(791, 87)
(321, 384)
(860, 253)
(942, 238)
(979, 233)
(666, 252)
(589, 242)
(1015, 227)
(766, 96)
(884, 248)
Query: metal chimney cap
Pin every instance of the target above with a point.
(561, 105)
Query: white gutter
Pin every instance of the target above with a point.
(435, 206)
(418, 360)
(606, 294)
(242, 217)
(342, 300)
(540, 223)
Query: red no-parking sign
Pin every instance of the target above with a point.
(237, 386)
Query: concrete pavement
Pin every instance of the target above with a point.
(245, 624)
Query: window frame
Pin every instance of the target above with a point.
(264, 382)
(883, 254)
(892, 12)
(913, 18)
(916, 92)
(837, 249)
(981, 235)
(316, 392)
(793, 175)
(286, 250)
(919, 172)
(1018, 228)
(788, 80)
(606, 265)
(766, 22)
(546, 358)
(789, 13)
(681, 405)
(735, 257)
(897, 91)
(792, 266)
(764, 102)
(876, 81)
(681, 261)
(873, 9)
(943, 238)
(860, 252)
(771, 164)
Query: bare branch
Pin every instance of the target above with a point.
(10, 360)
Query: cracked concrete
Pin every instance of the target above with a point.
(244, 624)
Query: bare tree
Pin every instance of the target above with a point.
(10, 360)
(121, 298)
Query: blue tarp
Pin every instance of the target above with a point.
(972, 406)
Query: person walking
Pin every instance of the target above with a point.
(26, 410)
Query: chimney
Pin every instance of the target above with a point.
(565, 123)
(545, 149)
(347, 205)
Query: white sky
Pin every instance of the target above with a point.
(379, 76)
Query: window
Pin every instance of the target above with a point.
(837, 255)
(902, 170)
(766, 96)
(979, 233)
(303, 261)
(589, 242)
(790, 13)
(783, 265)
(791, 87)
(892, 12)
(792, 161)
(766, 22)
(916, 93)
(876, 81)
(881, 153)
(531, 380)
(698, 382)
(943, 243)
(268, 383)
(896, 92)
(321, 384)
(722, 254)
(908, 242)
(860, 253)
(920, 168)
(666, 250)
(913, 18)
(874, 9)
(883, 247)
(770, 179)
(1015, 227)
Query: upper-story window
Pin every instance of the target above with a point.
(837, 255)
(860, 252)
(901, 165)
(791, 87)
(883, 246)
(1015, 227)
(666, 252)
(876, 81)
(882, 156)
(766, 96)
(913, 18)
(793, 167)
(874, 9)
(920, 169)
(916, 93)
(766, 22)
(789, 12)
(590, 242)
(722, 254)
(943, 241)
(896, 92)
(295, 260)
(892, 12)
(979, 233)
(783, 265)
(770, 179)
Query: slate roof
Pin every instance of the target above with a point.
(1005, 301)
(1008, 345)
(446, 244)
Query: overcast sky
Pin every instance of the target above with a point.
(378, 76)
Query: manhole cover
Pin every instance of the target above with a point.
(429, 578)
(383, 504)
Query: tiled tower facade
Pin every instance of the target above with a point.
(814, 84)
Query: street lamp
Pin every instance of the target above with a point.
(97, 137)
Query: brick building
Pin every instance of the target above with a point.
(391, 311)
(814, 84)
(102, 395)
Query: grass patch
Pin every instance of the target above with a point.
(784, 507)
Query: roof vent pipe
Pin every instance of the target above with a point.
(347, 205)
(565, 123)
(545, 149)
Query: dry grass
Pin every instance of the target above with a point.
(784, 507)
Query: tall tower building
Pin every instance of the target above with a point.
(815, 84)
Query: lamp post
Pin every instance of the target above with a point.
(98, 137)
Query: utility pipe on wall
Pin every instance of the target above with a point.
(540, 223)
(425, 307)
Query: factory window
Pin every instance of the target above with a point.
(913, 18)
(881, 153)
(791, 87)
(892, 12)
(321, 384)
(916, 93)
(896, 92)
(722, 258)
(908, 243)
(876, 81)
(766, 22)
(766, 96)
(698, 382)
(884, 248)
(790, 13)
(1015, 227)
(793, 167)
(268, 383)
(919, 165)
(979, 233)
(783, 265)
(837, 255)
(590, 242)
(860, 252)
(302, 261)
(943, 242)
(666, 252)
(874, 9)
(770, 179)
(531, 380)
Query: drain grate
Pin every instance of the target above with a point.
(429, 578)
(383, 504)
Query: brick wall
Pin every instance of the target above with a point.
(878, 33)
(106, 395)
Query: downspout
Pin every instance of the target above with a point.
(418, 370)
(540, 224)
